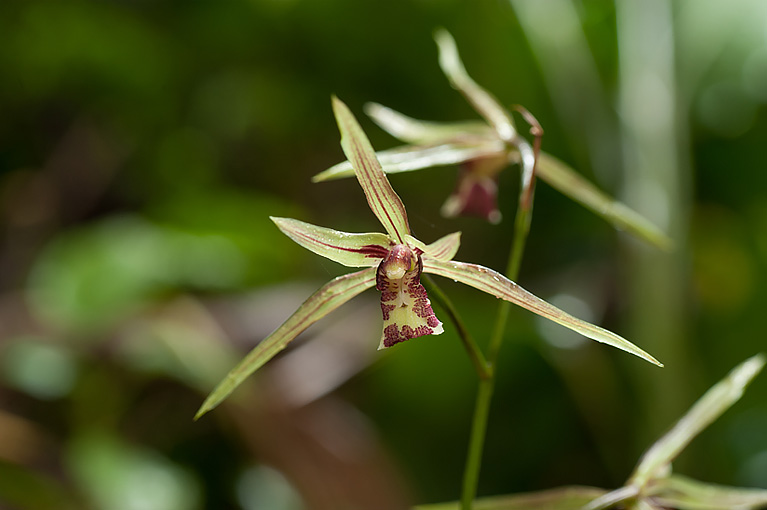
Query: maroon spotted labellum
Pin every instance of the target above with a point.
(406, 309)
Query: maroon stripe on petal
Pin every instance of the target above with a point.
(369, 250)
(376, 189)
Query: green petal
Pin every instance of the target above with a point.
(414, 243)
(353, 250)
(496, 284)
(422, 132)
(383, 201)
(681, 492)
(563, 178)
(444, 248)
(328, 298)
(411, 157)
(482, 101)
(710, 406)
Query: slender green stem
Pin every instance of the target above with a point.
(477, 441)
(486, 386)
(521, 229)
(475, 353)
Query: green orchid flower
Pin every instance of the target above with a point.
(653, 483)
(393, 262)
(483, 150)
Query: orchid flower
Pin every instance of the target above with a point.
(653, 483)
(483, 150)
(393, 263)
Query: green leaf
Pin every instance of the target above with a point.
(332, 295)
(482, 101)
(687, 494)
(566, 180)
(421, 132)
(383, 201)
(352, 250)
(710, 406)
(563, 498)
(410, 157)
(496, 284)
(444, 248)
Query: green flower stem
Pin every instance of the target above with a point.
(521, 229)
(486, 386)
(473, 350)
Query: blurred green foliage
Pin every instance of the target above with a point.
(143, 145)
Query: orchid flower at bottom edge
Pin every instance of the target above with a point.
(394, 268)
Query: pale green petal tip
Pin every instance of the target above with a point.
(210, 403)
(336, 103)
(202, 411)
(442, 36)
(338, 171)
(322, 176)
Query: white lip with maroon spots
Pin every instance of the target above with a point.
(407, 312)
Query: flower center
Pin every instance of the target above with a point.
(399, 261)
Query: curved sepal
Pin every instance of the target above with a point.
(352, 250)
(482, 101)
(409, 158)
(384, 202)
(328, 298)
(569, 182)
(495, 284)
(422, 132)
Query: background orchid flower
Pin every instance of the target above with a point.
(483, 150)
(393, 263)
(653, 484)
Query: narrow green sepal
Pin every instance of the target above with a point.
(383, 201)
(332, 295)
(495, 284)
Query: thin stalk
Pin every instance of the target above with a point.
(486, 386)
(472, 349)
(477, 440)
(521, 229)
